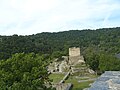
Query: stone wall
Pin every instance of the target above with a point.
(63, 86)
(74, 51)
(110, 80)
(74, 56)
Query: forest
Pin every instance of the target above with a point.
(22, 57)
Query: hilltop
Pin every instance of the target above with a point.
(97, 46)
(24, 59)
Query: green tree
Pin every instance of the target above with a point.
(108, 62)
(24, 72)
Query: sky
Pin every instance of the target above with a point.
(26, 17)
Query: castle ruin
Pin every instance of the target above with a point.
(75, 56)
(74, 51)
(73, 64)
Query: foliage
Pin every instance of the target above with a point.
(56, 77)
(102, 61)
(24, 72)
(92, 43)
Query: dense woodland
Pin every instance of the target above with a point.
(98, 47)
(24, 72)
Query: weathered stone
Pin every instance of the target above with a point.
(72, 64)
(74, 56)
(63, 67)
(91, 71)
(110, 80)
(75, 62)
(63, 86)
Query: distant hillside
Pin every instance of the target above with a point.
(107, 40)
(98, 47)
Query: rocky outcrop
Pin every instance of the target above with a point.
(110, 80)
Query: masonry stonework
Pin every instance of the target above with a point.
(74, 51)
(75, 56)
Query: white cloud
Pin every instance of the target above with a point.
(35, 16)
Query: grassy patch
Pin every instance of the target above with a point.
(78, 85)
(56, 77)
(72, 79)
(82, 85)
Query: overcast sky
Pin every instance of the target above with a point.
(24, 17)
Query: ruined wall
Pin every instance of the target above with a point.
(74, 56)
(74, 51)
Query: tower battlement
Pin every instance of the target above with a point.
(74, 51)
(74, 56)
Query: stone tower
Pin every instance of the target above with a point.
(74, 51)
(74, 56)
